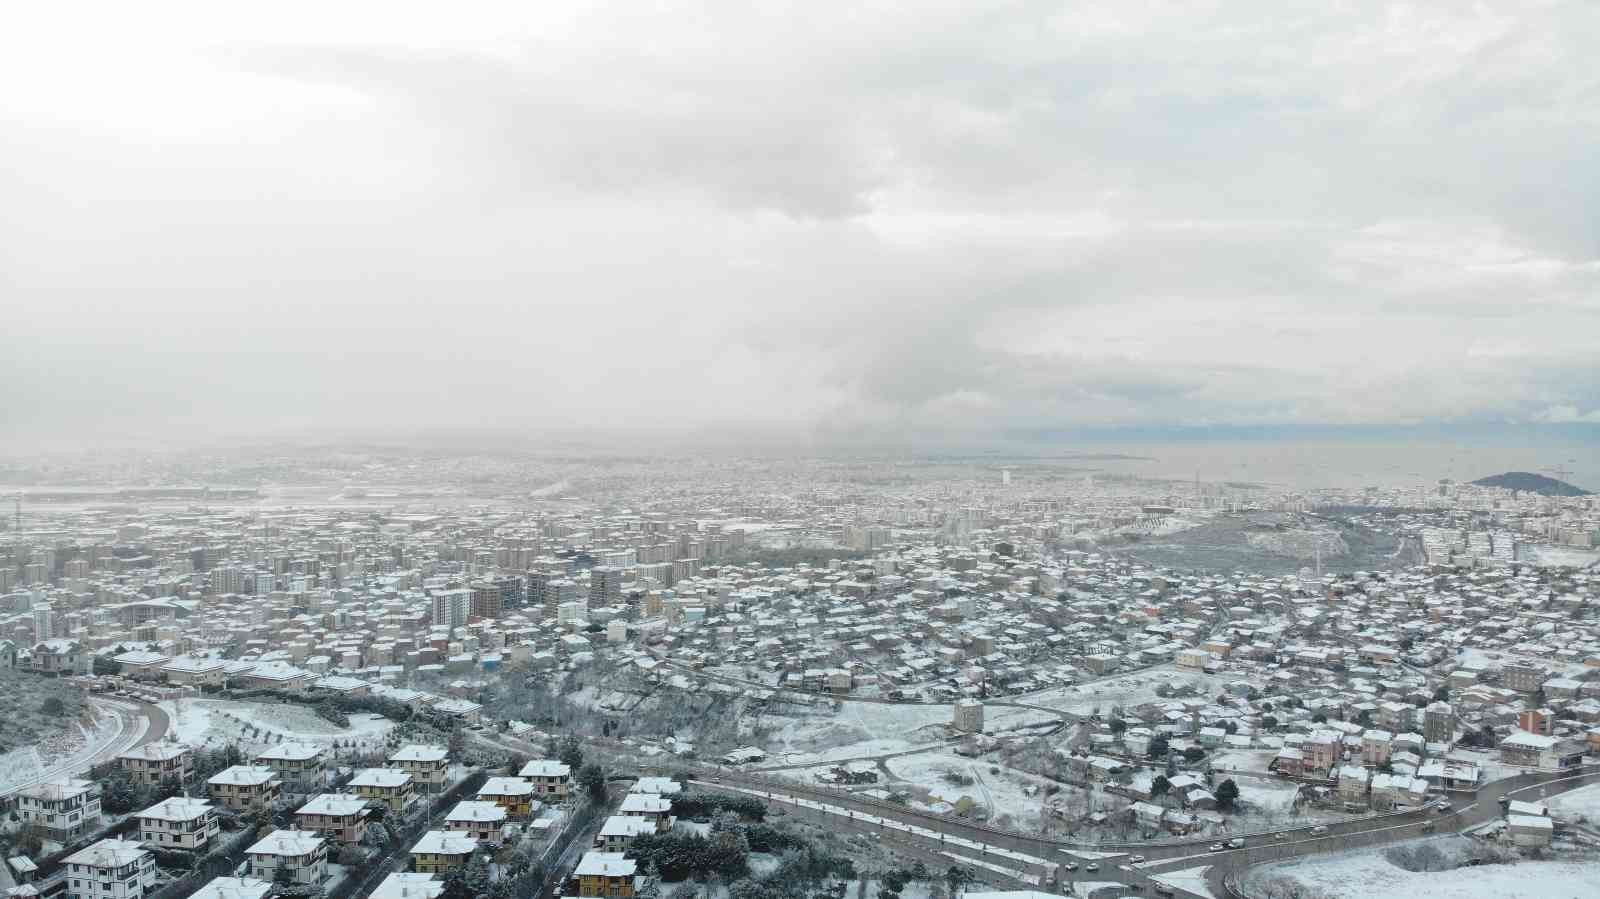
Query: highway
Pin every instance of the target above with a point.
(137, 723)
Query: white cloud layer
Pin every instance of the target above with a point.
(898, 218)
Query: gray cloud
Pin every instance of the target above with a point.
(943, 218)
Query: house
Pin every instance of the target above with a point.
(66, 809)
(141, 665)
(233, 888)
(513, 794)
(302, 853)
(337, 817)
(386, 785)
(178, 823)
(299, 765)
(110, 869)
(153, 763)
(483, 821)
(550, 779)
(619, 832)
(657, 809)
(460, 710)
(606, 874)
(242, 786)
(427, 765)
(1354, 782)
(1530, 831)
(441, 850)
(275, 676)
(195, 671)
(408, 885)
(1545, 753)
(57, 657)
(662, 786)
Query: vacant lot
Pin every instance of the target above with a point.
(35, 708)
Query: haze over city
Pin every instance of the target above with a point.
(946, 450)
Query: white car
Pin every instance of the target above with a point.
(1216, 847)
(1135, 859)
(1091, 867)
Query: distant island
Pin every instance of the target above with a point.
(1529, 482)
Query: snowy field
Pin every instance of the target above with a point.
(1192, 880)
(255, 726)
(859, 729)
(1368, 875)
(1127, 691)
(1005, 794)
(1583, 802)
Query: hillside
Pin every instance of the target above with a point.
(1528, 482)
(29, 716)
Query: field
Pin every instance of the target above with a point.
(30, 718)
(1581, 803)
(1370, 875)
(255, 725)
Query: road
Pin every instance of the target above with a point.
(138, 723)
(1160, 857)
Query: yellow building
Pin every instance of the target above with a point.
(513, 794)
(441, 850)
(605, 874)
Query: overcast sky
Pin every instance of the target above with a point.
(891, 218)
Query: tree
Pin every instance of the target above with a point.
(572, 752)
(1227, 794)
(957, 877)
(458, 744)
(1194, 754)
(1159, 786)
(52, 706)
(593, 779)
(1442, 694)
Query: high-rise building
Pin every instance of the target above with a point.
(451, 607)
(1439, 723)
(487, 600)
(44, 627)
(605, 586)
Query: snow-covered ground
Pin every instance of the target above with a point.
(1248, 760)
(1006, 861)
(1368, 875)
(1127, 691)
(1555, 556)
(214, 722)
(1191, 879)
(1583, 802)
(1005, 793)
(77, 748)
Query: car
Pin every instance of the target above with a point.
(1442, 807)
(1135, 859)
(1319, 830)
(1279, 835)
(1071, 866)
(1091, 867)
(1236, 843)
(1216, 847)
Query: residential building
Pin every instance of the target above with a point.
(242, 786)
(440, 851)
(180, 822)
(1439, 723)
(619, 832)
(483, 821)
(302, 853)
(408, 885)
(550, 779)
(606, 874)
(66, 809)
(968, 716)
(234, 888)
(427, 765)
(337, 817)
(513, 794)
(300, 766)
(152, 763)
(110, 869)
(390, 786)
